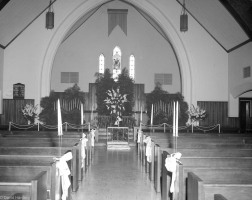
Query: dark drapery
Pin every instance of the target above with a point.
(117, 17)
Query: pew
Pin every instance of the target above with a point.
(235, 185)
(53, 180)
(220, 151)
(74, 144)
(206, 145)
(192, 163)
(38, 142)
(219, 197)
(232, 152)
(24, 187)
(41, 160)
(52, 151)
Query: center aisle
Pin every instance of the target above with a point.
(114, 175)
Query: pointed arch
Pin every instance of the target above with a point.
(149, 8)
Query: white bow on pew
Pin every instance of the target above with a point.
(147, 140)
(64, 172)
(171, 166)
(139, 135)
(83, 144)
(92, 137)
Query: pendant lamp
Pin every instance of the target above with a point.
(183, 19)
(50, 17)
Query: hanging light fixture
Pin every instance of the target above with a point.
(183, 19)
(50, 17)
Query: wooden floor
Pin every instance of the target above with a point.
(114, 175)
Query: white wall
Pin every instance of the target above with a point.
(24, 58)
(204, 65)
(80, 52)
(238, 59)
(1, 79)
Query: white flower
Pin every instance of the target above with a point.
(195, 114)
(30, 112)
(115, 101)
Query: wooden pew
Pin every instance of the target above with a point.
(53, 180)
(232, 152)
(234, 185)
(192, 163)
(53, 142)
(157, 168)
(47, 133)
(219, 197)
(24, 187)
(204, 145)
(36, 159)
(216, 147)
(50, 151)
(193, 152)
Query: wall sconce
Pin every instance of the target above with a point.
(50, 17)
(183, 19)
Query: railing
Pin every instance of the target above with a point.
(65, 125)
(108, 121)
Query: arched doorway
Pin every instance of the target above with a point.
(153, 13)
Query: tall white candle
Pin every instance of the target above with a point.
(177, 119)
(174, 114)
(82, 117)
(151, 114)
(60, 131)
(141, 116)
(92, 113)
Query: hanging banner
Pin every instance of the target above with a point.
(117, 17)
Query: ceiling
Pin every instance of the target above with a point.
(228, 22)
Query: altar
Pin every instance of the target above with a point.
(118, 138)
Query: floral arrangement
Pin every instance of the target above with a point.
(115, 103)
(29, 112)
(195, 115)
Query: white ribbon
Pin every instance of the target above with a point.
(147, 140)
(92, 137)
(139, 135)
(171, 166)
(83, 144)
(64, 172)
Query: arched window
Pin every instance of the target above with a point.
(132, 67)
(117, 55)
(101, 64)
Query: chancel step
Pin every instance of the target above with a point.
(119, 145)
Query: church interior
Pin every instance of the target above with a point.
(126, 99)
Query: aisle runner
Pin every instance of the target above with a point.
(119, 145)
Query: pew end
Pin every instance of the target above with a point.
(34, 187)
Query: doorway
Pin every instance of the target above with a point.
(245, 114)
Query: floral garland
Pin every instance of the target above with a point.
(29, 112)
(115, 103)
(195, 115)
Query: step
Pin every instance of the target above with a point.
(118, 145)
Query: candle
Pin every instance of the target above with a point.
(174, 110)
(177, 120)
(82, 117)
(151, 114)
(60, 132)
(141, 116)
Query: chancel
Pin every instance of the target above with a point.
(126, 100)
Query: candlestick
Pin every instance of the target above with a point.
(151, 114)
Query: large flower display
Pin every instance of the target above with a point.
(195, 115)
(29, 112)
(115, 103)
